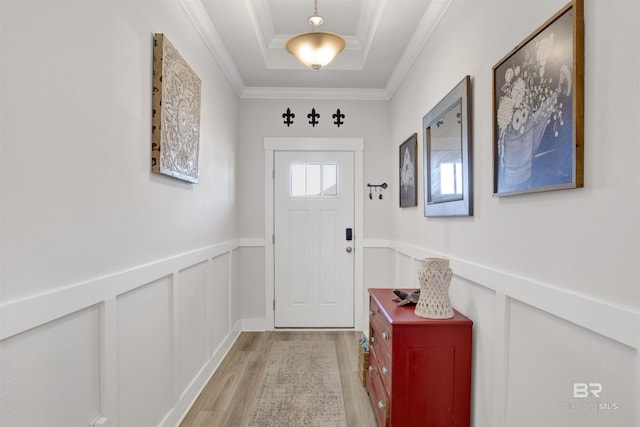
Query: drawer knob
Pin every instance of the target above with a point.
(373, 339)
(380, 404)
(371, 368)
(385, 370)
(385, 336)
(371, 313)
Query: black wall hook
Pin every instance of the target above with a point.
(382, 186)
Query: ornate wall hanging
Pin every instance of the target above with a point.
(175, 131)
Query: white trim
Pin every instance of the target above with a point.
(614, 322)
(618, 323)
(22, 315)
(109, 361)
(48, 306)
(269, 230)
(500, 375)
(201, 21)
(350, 94)
(359, 238)
(314, 144)
(175, 335)
(428, 24)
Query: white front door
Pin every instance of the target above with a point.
(314, 259)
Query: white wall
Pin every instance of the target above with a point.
(115, 282)
(551, 280)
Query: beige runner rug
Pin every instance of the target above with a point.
(300, 387)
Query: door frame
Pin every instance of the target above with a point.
(355, 145)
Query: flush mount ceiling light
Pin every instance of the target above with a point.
(315, 49)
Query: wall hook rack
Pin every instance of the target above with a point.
(378, 187)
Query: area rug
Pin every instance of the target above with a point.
(300, 387)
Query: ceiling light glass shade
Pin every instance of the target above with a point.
(315, 49)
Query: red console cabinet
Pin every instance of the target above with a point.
(419, 369)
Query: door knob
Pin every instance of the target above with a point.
(349, 249)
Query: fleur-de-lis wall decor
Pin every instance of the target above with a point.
(288, 116)
(313, 116)
(338, 116)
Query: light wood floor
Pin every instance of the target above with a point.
(226, 400)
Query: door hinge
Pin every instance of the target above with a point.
(274, 304)
(273, 174)
(273, 239)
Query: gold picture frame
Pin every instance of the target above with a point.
(175, 134)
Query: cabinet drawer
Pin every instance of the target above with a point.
(379, 397)
(384, 335)
(381, 359)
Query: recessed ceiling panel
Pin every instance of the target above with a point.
(378, 32)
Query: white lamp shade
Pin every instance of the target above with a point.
(315, 49)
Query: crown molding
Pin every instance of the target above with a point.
(201, 21)
(355, 94)
(430, 20)
(264, 30)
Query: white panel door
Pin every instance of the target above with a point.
(314, 207)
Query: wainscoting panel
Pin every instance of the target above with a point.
(533, 341)
(548, 355)
(406, 276)
(479, 303)
(128, 349)
(145, 354)
(378, 268)
(219, 300)
(191, 312)
(50, 373)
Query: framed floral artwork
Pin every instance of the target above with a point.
(409, 172)
(175, 132)
(538, 108)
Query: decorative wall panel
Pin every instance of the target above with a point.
(175, 135)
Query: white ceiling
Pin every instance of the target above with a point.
(383, 37)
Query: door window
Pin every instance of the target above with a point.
(313, 180)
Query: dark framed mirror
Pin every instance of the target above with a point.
(447, 155)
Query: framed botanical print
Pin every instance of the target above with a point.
(538, 108)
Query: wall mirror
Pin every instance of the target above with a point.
(447, 155)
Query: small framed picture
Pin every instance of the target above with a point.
(409, 172)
